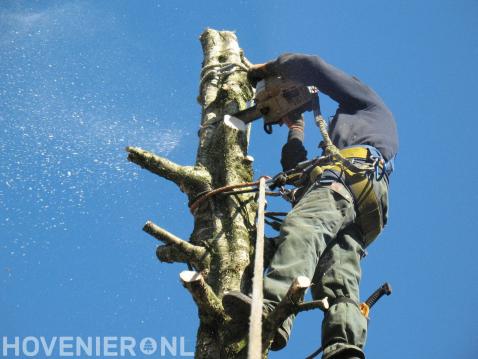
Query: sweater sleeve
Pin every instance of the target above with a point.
(310, 70)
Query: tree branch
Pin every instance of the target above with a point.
(177, 249)
(322, 304)
(205, 298)
(171, 254)
(188, 178)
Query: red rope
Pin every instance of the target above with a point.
(205, 196)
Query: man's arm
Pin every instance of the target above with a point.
(348, 91)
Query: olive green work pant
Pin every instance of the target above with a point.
(319, 240)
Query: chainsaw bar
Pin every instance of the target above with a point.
(248, 115)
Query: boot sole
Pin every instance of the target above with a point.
(238, 307)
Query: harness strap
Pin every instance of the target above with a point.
(360, 185)
(369, 209)
(343, 299)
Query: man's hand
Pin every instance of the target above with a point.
(256, 73)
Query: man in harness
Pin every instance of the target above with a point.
(340, 210)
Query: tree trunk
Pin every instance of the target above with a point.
(225, 224)
(221, 245)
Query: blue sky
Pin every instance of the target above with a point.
(80, 80)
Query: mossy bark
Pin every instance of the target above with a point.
(224, 223)
(221, 245)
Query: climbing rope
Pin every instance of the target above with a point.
(220, 70)
(206, 195)
(332, 151)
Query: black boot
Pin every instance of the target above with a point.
(349, 354)
(238, 306)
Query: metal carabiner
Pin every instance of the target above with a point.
(379, 174)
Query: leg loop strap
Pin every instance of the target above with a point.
(343, 299)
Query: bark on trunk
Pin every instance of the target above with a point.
(221, 244)
(224, 224)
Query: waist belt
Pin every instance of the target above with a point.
(359, 182)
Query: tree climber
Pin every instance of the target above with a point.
(333, 220)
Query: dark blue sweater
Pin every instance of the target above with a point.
(362, 117)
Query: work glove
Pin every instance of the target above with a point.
(293, 152)
(279, 180)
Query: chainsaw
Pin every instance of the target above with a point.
(277, 98)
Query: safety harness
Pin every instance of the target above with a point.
(368, 166)
(357, 168)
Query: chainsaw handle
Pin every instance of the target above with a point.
(386, 288)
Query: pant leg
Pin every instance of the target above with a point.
(308, 228)
(338, 274)
(344, 328)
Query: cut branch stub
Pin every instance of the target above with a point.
(207, 301)
(171, 254)
(322, 304)
(179, 250)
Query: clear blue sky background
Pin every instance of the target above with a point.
(80, 80)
